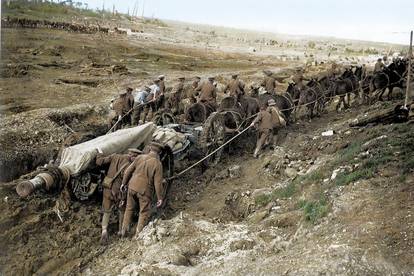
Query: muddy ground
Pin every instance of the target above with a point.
(284, 213)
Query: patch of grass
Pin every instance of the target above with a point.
(345, 178)
(263, 200)
(314, 210)
(285, 192)
(348, 154)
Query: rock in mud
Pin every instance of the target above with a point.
(242, 245)
(291, 173)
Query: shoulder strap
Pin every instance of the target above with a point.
(120, 170)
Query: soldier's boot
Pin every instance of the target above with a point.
(121, 219)
(105, 223)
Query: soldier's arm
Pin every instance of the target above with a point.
(226, 88)
(101, 159)
(158, 181)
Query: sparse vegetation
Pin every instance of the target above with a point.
(314, 210)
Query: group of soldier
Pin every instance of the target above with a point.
(132, 178)
(130, 182)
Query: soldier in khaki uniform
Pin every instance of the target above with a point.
(176, 95)
(142, 177)
(194, 87)
(122, 105)
(118, 163)
(235, 87)
(299, 79)
(208, 93)
(265, 128)
(269, 82)
(333, 72)
(379, 66)
(161, 85)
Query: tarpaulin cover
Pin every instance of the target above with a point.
(78, 158)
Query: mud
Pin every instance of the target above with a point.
(214, 224)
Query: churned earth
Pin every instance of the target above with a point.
(333, 205)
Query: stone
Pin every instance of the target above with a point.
(258, 216)
(179, 260)
(261, 192)
(235, 171)
(242, 245)
(291, 173)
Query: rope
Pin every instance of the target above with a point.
(210, 154)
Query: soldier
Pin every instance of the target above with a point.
(379, 66)
(278, 120)
(333, 72)
(161, 85)
(298, 78)
(142, 177)
(194, 87)
(175, 97)
(140, 99)
(269, 82)
(152, 99)
(118, 163)
(121, 106)
(130, 102)
(265, 129)
(235, 87)
(208, 93)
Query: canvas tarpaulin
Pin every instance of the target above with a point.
(77, 158)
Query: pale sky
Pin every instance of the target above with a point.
(374, 20)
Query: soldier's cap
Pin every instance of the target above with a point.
(235, 75)
(211, 78)
(137, 151)
(129, 89)
(156, 146)
(181, 78)
(380, 59)
(161, 77)
(271, 102)
(197, 77)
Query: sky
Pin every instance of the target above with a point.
(372, 20)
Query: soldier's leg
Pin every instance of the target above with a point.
(106, 207)
(144, 212)
(260, 142)
(129, 211)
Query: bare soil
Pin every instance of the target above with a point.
(217, 223)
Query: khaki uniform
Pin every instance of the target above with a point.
(144, 175)
(121, 106)
(175, 97)
(265, 127)
(193, 92)
(208, 93)
(332, 73)
(269, 83)
(379, 66)
(298, 78)
(235, 87)
(116, 162)
(276, 117)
